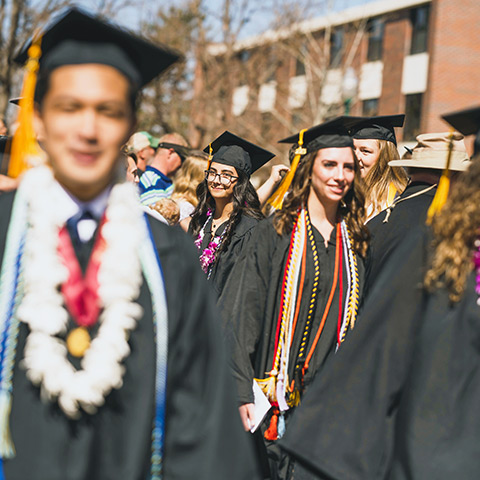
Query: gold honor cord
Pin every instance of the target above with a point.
(24, 143)
(276, 200)
(443, 185)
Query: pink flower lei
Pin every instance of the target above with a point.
(476, 262)
(207, 257)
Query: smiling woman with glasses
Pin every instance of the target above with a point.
(228, 206)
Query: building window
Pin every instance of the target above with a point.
(419, 18)
(413, 116)
(243, 58)
(370, 107)
(375, 30)
(300, 60)
(336, 47)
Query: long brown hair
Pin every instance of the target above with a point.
(456, 228)
(352, 209)
(381, 175)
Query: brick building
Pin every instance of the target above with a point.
(415, 56)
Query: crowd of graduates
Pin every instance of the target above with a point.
(324, 326)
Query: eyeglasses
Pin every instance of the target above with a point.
(225, 178)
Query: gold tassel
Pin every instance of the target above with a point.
(276, 200)
(210, 156)
(24, 144)
(269, 387)
(294, 399)
(443, 185)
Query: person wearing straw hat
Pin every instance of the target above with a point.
(389, 228)
(92, 306)
(294, 294)
(400, 399)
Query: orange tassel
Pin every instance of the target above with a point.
(271, 433)
(210, 156)
(24, 144)
(276, 200)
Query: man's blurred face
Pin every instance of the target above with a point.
(84, 120)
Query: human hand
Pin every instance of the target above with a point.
(247, 414)
(278, 172)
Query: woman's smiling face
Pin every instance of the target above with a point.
(367, 152)
(217, 186)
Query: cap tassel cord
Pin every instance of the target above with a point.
(276, 200)
(443, 185)
(210, 156)
(24, 144)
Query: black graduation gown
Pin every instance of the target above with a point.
(251, 302)
(389, 230)
(227, 258)
(400, 400)
(250, 305)
(203, 433)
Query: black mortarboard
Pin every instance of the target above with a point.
(374, 128)
(467, 122)
(331, 134)
(76, 37)
(229, 149)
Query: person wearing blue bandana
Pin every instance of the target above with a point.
(105, 371)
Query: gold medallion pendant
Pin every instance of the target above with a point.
(78, 341)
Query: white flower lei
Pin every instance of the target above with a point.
(42, 309)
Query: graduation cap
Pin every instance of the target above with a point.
(331, 134)
(76, 37)
(230, 149)
(380, 127)
(467, 122)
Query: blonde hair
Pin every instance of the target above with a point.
(188, 177)
(381, 175)
(456, 229)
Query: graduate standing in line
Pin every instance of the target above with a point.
(400, 400)
(375, 146)
(294, 295)
(106, 372)
(409, 210)
(228, 207)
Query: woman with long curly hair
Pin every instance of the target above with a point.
(401, 399)
(228, 207)
(376, 145)
(294, 295)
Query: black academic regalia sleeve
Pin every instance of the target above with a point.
(243, 303)
(204, 436)
(343, 428)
